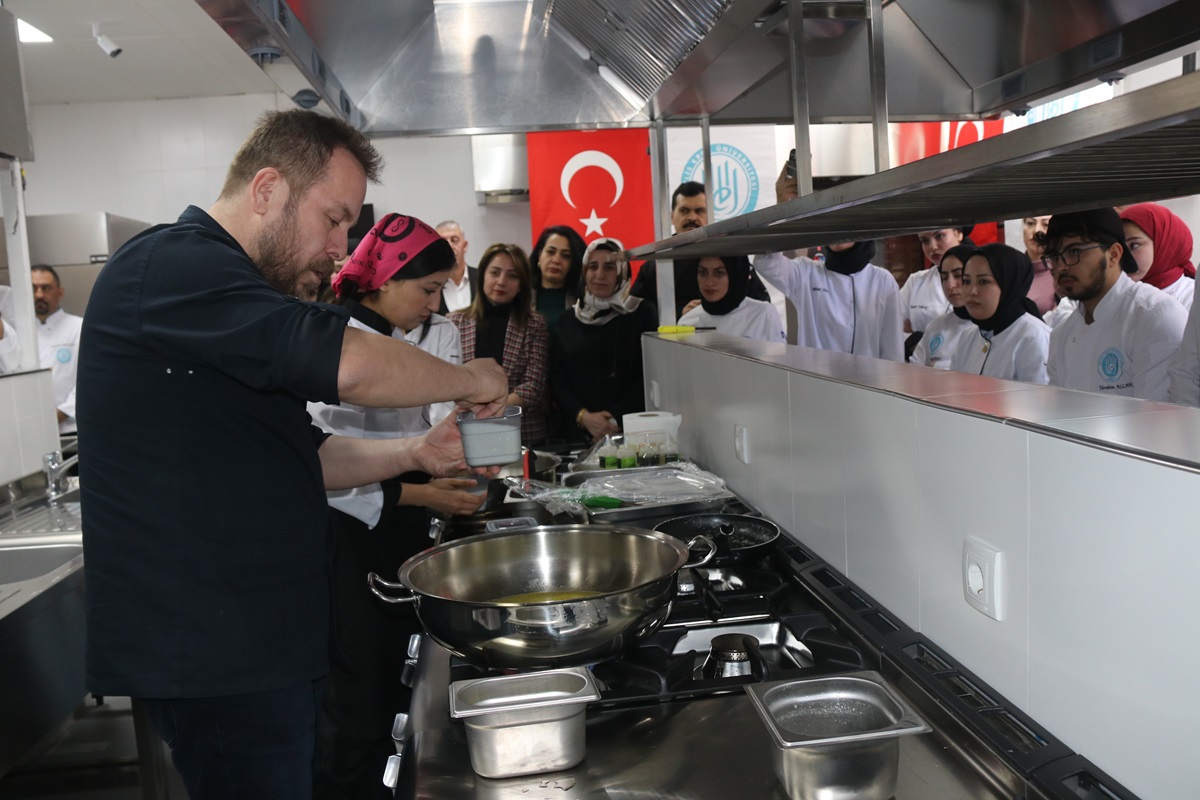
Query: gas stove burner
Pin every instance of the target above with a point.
(730, 656)
(724, 579)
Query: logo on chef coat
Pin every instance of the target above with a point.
(63, 356)
(734, 184)
(597, 182)
(935, 343)
(1110, 364)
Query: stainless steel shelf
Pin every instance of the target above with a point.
(1141, 146)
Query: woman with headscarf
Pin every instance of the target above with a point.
(845, 304)
(725, 306)
(596, 357)
(500, 323)
(941, 340)
(1162, 246)
(391, 285)
(1012, 341)
(557, 265)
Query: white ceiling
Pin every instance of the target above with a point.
(170, 49)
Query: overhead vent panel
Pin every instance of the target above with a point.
(642, 41)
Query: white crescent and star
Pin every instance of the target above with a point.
(592, 158)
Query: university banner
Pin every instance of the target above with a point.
(744, 163)
(597, 182)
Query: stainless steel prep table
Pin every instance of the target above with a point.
(712, 748)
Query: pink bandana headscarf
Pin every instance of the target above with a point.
(1172, 243)
(384, 251)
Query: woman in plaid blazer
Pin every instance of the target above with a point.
(500, 323)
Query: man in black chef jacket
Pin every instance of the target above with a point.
(203, 482)
(689, 211)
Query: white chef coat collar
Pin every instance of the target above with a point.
(1100, 312)
(56, 317)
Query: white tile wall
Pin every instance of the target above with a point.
(1114, 607)
(1098, 641)
(28, 429)
(974, 482)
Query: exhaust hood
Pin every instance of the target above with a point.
(440, 66)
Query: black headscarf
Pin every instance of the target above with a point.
(1014, 274)
(738, 270)
(848, 262)
(962, 252)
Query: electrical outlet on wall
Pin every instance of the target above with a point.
(741, 443)
(983, 577)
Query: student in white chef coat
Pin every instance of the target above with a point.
(725, 306)
(940, 342)
(58, 342)
(1123, 334)
(1011, 341)
(392, 286)
(848, 304)
(1161, 244)
(921, 298)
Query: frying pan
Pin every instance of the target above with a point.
(738, 537)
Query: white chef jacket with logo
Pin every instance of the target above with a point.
(58, 350)
(752, 319)
(941, 341)
(1017, 353)
(922, 299)
(365, 503)
(1136, 330)
(857, 313)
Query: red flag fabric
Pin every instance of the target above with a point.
(597, 182)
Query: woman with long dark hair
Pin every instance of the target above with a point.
(557, 267)
(500, 323)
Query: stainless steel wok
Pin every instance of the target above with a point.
(545, 597)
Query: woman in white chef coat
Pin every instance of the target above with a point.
(1161, 243)
(392, 285)
(1011, 341)
(725, 306)
(942, 336)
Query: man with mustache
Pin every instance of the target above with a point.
(58, 342)
(1121, 336)
(689, 211)
(207, 533)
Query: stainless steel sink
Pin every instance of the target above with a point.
(24, 563)
(62, 517)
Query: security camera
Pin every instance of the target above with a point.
(108, 45)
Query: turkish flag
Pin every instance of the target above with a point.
(597, 182)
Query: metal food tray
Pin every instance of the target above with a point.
(639, 511)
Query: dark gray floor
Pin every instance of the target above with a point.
(94, 758)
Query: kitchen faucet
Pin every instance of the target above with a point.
(55, 469)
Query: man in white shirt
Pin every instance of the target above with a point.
(58, 342)
(456, 294)
(1122, 335)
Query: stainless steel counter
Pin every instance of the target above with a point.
(714, 748)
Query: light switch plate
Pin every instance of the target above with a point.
(983, 577)
(741, 443)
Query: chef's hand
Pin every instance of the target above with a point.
(446, 496)
(786, 187)
(690, 306)
(488, 387)
(598, 424)
(440, 452)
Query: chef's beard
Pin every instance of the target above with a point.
(279, 263)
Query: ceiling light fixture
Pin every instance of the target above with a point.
(28, 33)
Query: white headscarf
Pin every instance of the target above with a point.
(592, 310)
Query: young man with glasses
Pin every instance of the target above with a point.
(1122, 334)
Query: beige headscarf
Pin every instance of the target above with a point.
(592, 310)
